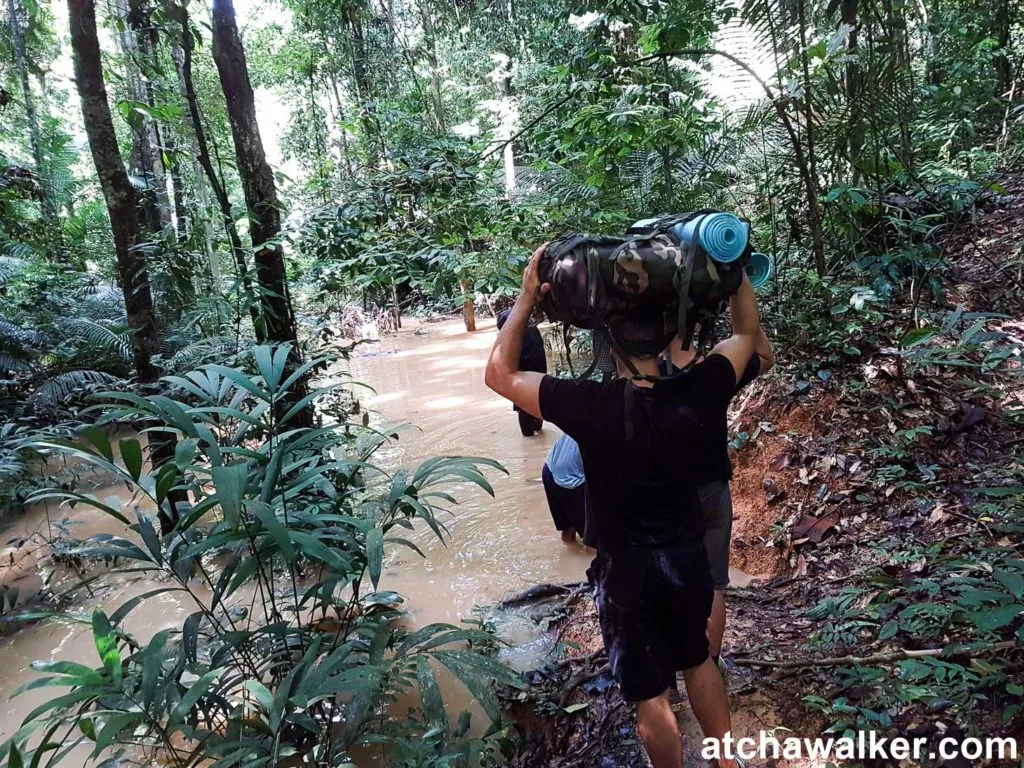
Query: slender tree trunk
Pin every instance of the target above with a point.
(668, 194)
(435, 81)
(178, 188)
(468, 307)
(55, 240)
(258, 186)
(364, 88)
(145, 160)
(502, 78)
(202, 197)
(851, 77)
(123, 209)
(813, 209)
(1004, 71)
(204, 160)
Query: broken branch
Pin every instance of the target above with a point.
(880, 658)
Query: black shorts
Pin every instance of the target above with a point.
(716, 502)
(568, 505)
(653, 607)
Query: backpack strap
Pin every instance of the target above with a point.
(682, 284)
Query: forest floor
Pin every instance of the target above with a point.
(853, 483)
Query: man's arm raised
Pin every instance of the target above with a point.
(502, 373)
(746, 329)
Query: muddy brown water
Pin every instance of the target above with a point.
(430, 375)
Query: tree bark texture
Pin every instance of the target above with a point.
(257, 184)
(118, 192)
(204, 159)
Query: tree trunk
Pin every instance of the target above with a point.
(813, 209)
(123, 209)
(1004, 72)
(258, 186)
(435, 81)
(668, 194)
(204, 160)
(502, 78)
(851, 76)
(55, 240)
(138, 47)
(364, 89)
(468, 308)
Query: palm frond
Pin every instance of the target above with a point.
(13, 364)
(10, 266)
(212, 349)
(65, 385)
(100, 336)
(16, 336)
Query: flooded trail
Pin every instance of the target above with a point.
(430, 377)
(433, 378)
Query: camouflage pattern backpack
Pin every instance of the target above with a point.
(644, 287)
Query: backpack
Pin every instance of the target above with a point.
(643, 288)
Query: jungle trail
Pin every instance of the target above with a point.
(259, 506)
(818, 545)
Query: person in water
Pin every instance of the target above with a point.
(565, 486)
(532, 358)
(714, 472)
(654, 589)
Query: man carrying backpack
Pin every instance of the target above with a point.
(639, 440)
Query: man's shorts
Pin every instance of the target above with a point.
(568, 505)
(653, 607)
(717, 505)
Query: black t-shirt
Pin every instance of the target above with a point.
(713, 463)
(641, 447)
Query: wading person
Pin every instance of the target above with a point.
(714, 472)
(532, 358)
(638, 440)
(565, 487)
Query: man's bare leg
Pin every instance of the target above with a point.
(659, 732)
(706, 691)
(716, 624)
(569, 536)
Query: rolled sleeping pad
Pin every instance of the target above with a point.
(759, 269)
(722, 236)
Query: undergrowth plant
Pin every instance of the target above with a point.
(953, 606)
(291, 654)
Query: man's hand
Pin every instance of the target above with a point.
(533, 289)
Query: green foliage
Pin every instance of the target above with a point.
(958, 601)
(301, 517)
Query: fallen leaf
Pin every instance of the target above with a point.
(814, 529)
(772, 492)
(781, 462)
(937, 515)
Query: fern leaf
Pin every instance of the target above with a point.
(64, 385)
(101, 336)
